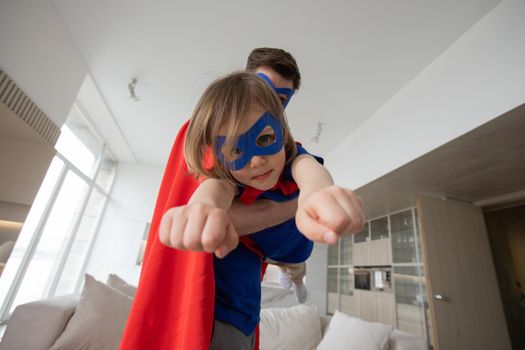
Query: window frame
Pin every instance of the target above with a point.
(91, 185)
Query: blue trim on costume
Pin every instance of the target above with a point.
(279, 91)
(247, 142)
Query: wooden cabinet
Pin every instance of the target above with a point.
(361, 254)
(411, 302)
(372, 253)
(370, 308)
(380, 252)
(372, 246)
(386, 308)
(404, 238)
(363, 306)
(374, 306)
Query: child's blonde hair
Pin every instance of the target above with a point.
(225, 103)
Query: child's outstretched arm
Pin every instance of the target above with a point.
(325, 211)
(203, 224)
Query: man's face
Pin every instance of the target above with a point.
(277, 80)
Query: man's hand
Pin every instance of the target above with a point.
(327, 214)
(198, 227)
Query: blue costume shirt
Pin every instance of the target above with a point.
(238, 275)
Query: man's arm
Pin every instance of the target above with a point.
(260, 215)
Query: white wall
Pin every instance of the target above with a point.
(15, 213)
(481, 76)
(316, 276)
(38, 54)
(131, 206)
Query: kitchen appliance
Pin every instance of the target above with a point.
(362, 279)
(381, 279)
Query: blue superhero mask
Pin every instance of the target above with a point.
(251, 143)
(279, 91)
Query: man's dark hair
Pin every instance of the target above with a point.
(279, 60)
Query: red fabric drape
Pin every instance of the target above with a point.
(174, 305)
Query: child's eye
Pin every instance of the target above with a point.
(265, 140)
(232, 155)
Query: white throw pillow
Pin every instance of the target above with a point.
(99, 319)
(276, 297)
(119, 284)
(293, 328)
(346, 332)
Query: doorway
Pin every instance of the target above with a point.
(506, 229)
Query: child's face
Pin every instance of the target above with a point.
(262, 171)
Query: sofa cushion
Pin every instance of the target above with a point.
(273, 297)
(297, 327)
(99, 320)
(346, 332)
(119, 284)
(45, 318)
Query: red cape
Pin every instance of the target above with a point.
(174, 304)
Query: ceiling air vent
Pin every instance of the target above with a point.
(19, 103)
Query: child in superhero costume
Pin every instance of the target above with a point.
(174, 305)
(171, 309)
(239, 127)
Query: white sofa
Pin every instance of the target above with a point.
(45, 320)
(287, 325)
(301, 327)
(95, 320)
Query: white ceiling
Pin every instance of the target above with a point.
(353, 55)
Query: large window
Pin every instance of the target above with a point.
(53, 248)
